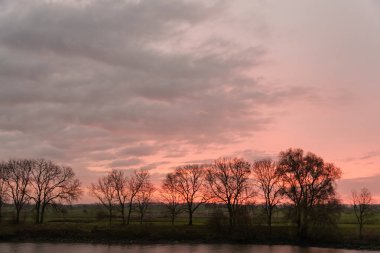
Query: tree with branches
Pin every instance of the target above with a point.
(268, 180)
(3, 187)
(228, 183)
(18, 176)
(190, 182)
(308, 182)
(52, 184)
(120, 184)
(170, 197)
(362, 203)
(104, 191)
(134, 185)
(144, 197)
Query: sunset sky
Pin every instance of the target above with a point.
(155, 84)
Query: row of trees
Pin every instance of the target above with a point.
(118, 189)
(303, 180)
(41, 182)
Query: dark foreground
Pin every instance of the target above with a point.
(154, 234)
(161, 248)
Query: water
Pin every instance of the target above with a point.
(160, 248)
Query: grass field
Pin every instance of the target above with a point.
(90, 223)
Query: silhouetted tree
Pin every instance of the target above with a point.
(323, 219)
(120, 184)
(269, 182)
(134, 184)
(3, 187)
(170, 196)
(17, 176)
(144, 197)
(51, 184)
(228, 183)
(104, 191)
(307, 182)
(189, 184)
(362, 203)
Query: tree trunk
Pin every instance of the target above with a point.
(230, 218)
(42, 215)
(1, 205)
(172, 219)
(298, 218)
(299, 222)
(190, 218)
(38, 207)
(303, 229)
(18, 211)
(122, 213)
(129, 213)
(110, 214)
(270, 224)
(305, 224)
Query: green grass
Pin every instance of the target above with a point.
(158, 215)
(90, 223)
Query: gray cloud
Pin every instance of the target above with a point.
(253, 155)
(139, 150)
(126, 163)
(370, 155)
(363, 157)
(85, 83)
(155, 165)
(345, 186)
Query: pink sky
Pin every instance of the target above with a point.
(157, 84)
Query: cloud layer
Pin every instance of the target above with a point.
(116, 81)
(152, 84)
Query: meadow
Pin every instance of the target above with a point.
(89, 223)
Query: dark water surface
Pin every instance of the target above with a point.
(160, 248)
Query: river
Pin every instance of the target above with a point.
(161, 248)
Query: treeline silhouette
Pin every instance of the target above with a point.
(39, 181)
(302, 184)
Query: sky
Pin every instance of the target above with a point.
(115, 84)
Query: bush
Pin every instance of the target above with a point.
(101, 215)
(217, 222)
(244, 229)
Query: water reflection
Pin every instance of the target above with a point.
(160, 248)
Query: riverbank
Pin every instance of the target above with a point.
(154, 234)
(162, 248)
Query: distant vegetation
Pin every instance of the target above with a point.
(288, 200)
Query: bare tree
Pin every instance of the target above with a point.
(228, 183)
(362, 203)
(170, 197)
(307, 182)
(105, 192)
(135, 182)
(17, 176)
(52, 184)
(3, 187)
(189, 184)
(144, 197)
(120, 184)
(268, 179)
